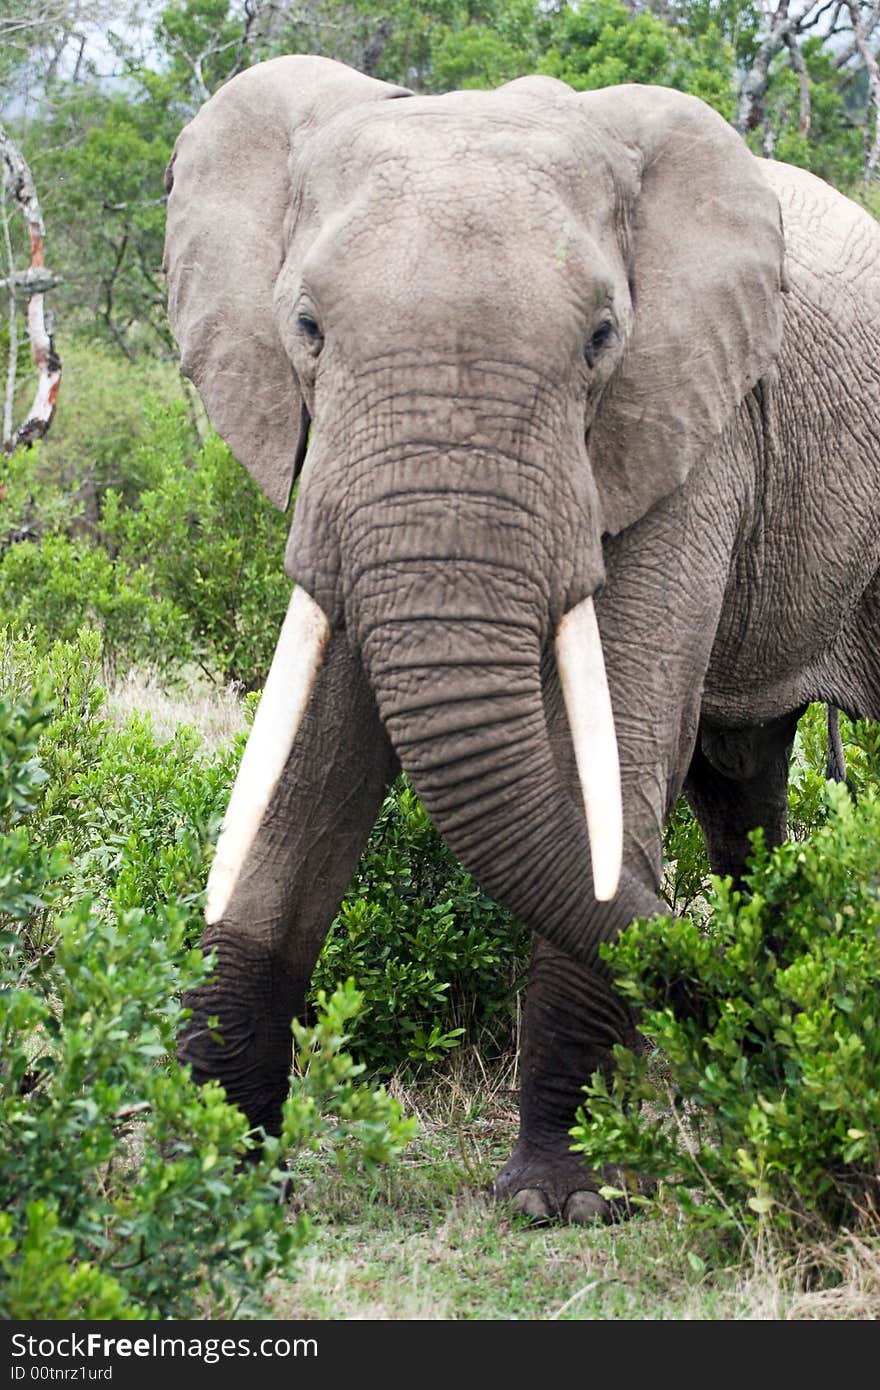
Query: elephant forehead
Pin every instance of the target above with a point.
(455, 211)
(475, 149)
(446, 271)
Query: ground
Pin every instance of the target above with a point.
(424, 1240)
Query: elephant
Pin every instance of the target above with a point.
(583, 401)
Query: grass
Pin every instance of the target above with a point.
(217, 712)
(425, 1241)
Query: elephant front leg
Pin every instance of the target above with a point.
(287, 892)
(572, 1020)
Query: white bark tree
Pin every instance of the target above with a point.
(19, 192)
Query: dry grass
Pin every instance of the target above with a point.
(216, 711)
(855, 1260)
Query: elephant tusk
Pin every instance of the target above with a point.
(584, 683)
(295, 665)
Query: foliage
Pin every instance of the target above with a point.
(807, 802)
(685, 862)
(768, 1105)
(203, 43)
(126, 1190)
(834, 146)
(28, 871)
(136, 814)
(604, 43)
(56, 574)
(686, 866)
(180, 561)
(495, 44)
(99, 153)
(60, 585)
(326, 1108)
(212, 545)
(106, 415)
(436, 959)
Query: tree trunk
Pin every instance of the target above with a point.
(17, 178)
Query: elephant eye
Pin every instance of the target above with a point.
(309, 329)
(603, 335)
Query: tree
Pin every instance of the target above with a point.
(18, 184)
(102, 156)
(95, 112)
(602, 43)
(800, 54)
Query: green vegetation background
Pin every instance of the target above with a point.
(135, 553)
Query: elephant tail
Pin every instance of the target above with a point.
(835, 766)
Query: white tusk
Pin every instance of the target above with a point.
(581, 669)
(295, 665)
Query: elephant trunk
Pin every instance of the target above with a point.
(452, 650)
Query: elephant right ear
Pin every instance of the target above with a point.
(229, 193)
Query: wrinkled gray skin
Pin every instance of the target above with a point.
(713, 477)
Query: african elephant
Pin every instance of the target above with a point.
(572, 364)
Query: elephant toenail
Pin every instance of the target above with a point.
(531, 1202)
(586, 1209)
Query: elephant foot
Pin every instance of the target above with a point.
(553, 1186)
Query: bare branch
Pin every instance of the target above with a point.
(846, 55)
(19, 182)
(141, 203)
(34, 280)
(12, 362)
(810, 21)
(754, 88)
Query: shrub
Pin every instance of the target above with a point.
(437, 959)
(105, 414)
(57, 585)
(181, 562)
(136, 814)
(685, 861)
(686, 866)
(770, 1091)
(125, 1189)
(807, 802)
(212, 545)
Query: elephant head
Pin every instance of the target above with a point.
(509, 323)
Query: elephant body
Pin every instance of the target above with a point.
(562, 356)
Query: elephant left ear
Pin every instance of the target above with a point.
(706, 274)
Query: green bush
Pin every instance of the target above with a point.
(685, 861)
(136, 814)
(181, 561)
(437, 959)
(57, 585)
(807, 801)
(212, 545)
(106, 409)
(606, 42)
(767, 1105)
(124, 1186)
